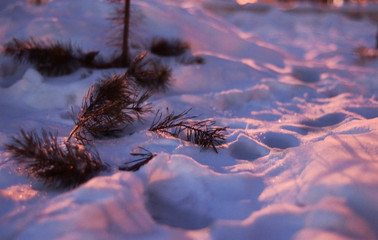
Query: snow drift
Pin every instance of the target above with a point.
(301, 155)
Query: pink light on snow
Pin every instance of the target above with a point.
(19, 193)
(243, 2)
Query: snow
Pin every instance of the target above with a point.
(301, 154)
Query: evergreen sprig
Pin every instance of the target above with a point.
(52, 58)
(150, 73)
(144, 157)
(108, 107)
(201, 132)
(58, 165)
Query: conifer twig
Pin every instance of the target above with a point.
(108, 107)
(185, 127)
(145, 157)
(57, 165)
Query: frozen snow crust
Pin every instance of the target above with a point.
(301, 157)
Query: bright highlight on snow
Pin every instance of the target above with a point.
(290, 97)
(242, 2)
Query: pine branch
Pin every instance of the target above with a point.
(108, 107)
(145, 157)
(150, 73)
(50, 58)
(186, 128)
(57, 165)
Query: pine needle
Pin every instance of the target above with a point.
(150, 73)
(108, 108)
(49, 57)
(144, 157)
(186, 128)
(57, 165)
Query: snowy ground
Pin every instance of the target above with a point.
(301, 157)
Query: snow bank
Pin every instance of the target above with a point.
(300, 157)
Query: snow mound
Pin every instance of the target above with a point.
(300, 157)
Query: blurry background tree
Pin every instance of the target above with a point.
(376, 39)
(123, 17)
(37, 2)
(125, 35)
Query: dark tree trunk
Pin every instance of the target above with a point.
(376, 40)
(125, 42)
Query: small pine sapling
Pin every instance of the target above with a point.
(376, 40)
(150, 73)
(125, 38)
(35, 2)
(190, 60)
(366, 53)
(168, 48)
(174, 48)
(50, 58)
(144, 157)
(108, 107)
(122, 18)
(58, 165)
(201, 132)
(38, 2)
